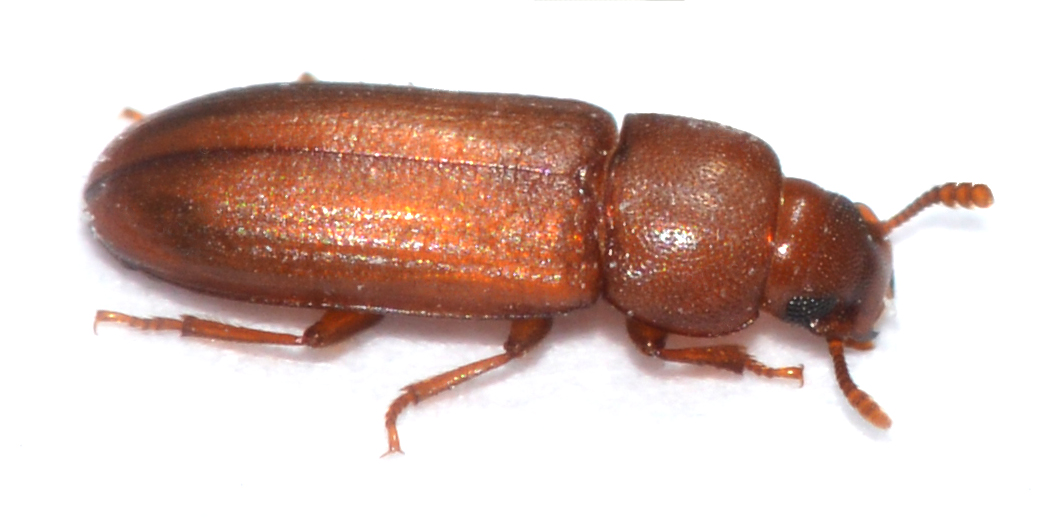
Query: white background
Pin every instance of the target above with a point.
(133, 428)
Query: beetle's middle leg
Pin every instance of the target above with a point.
(524, 334)
(334, 326)
(651, 341)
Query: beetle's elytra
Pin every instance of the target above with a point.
(370, 200)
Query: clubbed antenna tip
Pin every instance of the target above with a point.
(950, 194)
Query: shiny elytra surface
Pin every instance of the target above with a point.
(381, 198)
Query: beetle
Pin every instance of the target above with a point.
(368, 200)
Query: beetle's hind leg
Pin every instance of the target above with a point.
(523, 335)
(651, 341)
(334, 326)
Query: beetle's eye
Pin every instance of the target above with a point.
(805, 311)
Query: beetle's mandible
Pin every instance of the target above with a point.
(369, 200)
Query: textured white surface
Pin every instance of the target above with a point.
(134, 428)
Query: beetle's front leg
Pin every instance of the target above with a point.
(651, 341)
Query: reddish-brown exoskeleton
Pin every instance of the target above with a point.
(371, 200)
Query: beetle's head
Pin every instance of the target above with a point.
(832, 266)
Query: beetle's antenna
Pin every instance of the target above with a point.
(950, 194)
(867, 407)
